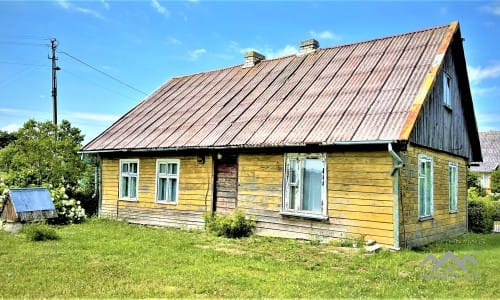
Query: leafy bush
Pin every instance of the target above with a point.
(496, 215)
(235, 225)
(40, 232)
(495, 182)
(68, 210)
(481, 213)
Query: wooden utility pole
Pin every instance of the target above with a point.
(55, 68)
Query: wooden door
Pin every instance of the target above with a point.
(226, 184)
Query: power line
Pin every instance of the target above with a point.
(102, 72)
(96, 84)
(21, 64)
(21, 43)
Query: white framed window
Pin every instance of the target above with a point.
(453, 186)
(446, 90)
(425, 186)
(129, 179)
(305, 185)
(167, 180)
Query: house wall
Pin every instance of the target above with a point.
(195, 196)
(359, 193)
(414, 232)
(438, 126)
(485, 181)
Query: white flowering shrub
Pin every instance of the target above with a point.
(68, 210)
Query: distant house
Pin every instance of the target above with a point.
(28, 205)
(490, 147)
(367, 139)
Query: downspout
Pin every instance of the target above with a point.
(397, 164)
(98, 182)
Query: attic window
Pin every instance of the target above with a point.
(446, 90)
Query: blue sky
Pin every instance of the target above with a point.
(145, 43)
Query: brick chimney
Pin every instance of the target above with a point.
(252, 58)
(308, 46)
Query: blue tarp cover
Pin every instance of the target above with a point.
(31, 199)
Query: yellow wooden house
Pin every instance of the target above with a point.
(369, 139)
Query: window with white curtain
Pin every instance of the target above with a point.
(305, 184)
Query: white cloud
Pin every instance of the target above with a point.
(287, 50)
(91, 116)
(159, 8)
(71, 7)
(325, 35)
(174, 41)
(269, 52)
(11, 127)
(196, 53)
(478, 74)
(105, 4)
(63, 3)
(88, 11)
(493, 8)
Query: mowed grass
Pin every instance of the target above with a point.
(109, 259)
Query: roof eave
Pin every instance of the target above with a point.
(226, 147)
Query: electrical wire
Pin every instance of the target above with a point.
(102, 72)
(96, 84)
(23, 64)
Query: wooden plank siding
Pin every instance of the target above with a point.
(195, 193)
(413, 232)
(441, 127)
(359, 193)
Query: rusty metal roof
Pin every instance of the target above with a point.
(490, 147)
(363, 92)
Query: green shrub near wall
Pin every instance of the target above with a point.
(496, 215)
(235, 225)
(481, 213)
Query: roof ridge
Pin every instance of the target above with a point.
(320, 49)
(389, 36)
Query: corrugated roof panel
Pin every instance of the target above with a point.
(219, 111)
(238, 104)
(153, 124)
(270, 99)
(298, 102)
(183, 109)
(490, 147)
(148, 111)
(207, 98)
(105, 139)
(254, 102)
(31, 199)
(355, 92)
(283, 100)
(199, 119)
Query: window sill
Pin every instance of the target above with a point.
(304, 215)
(128, 199)
(422, 219)
(448, 107)
(166, 203)
(453, 212)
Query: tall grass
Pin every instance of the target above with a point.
(109, 259)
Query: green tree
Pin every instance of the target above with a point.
(44, 154)
(495, 182)
(6, 138)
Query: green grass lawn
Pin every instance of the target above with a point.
(108, 259)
